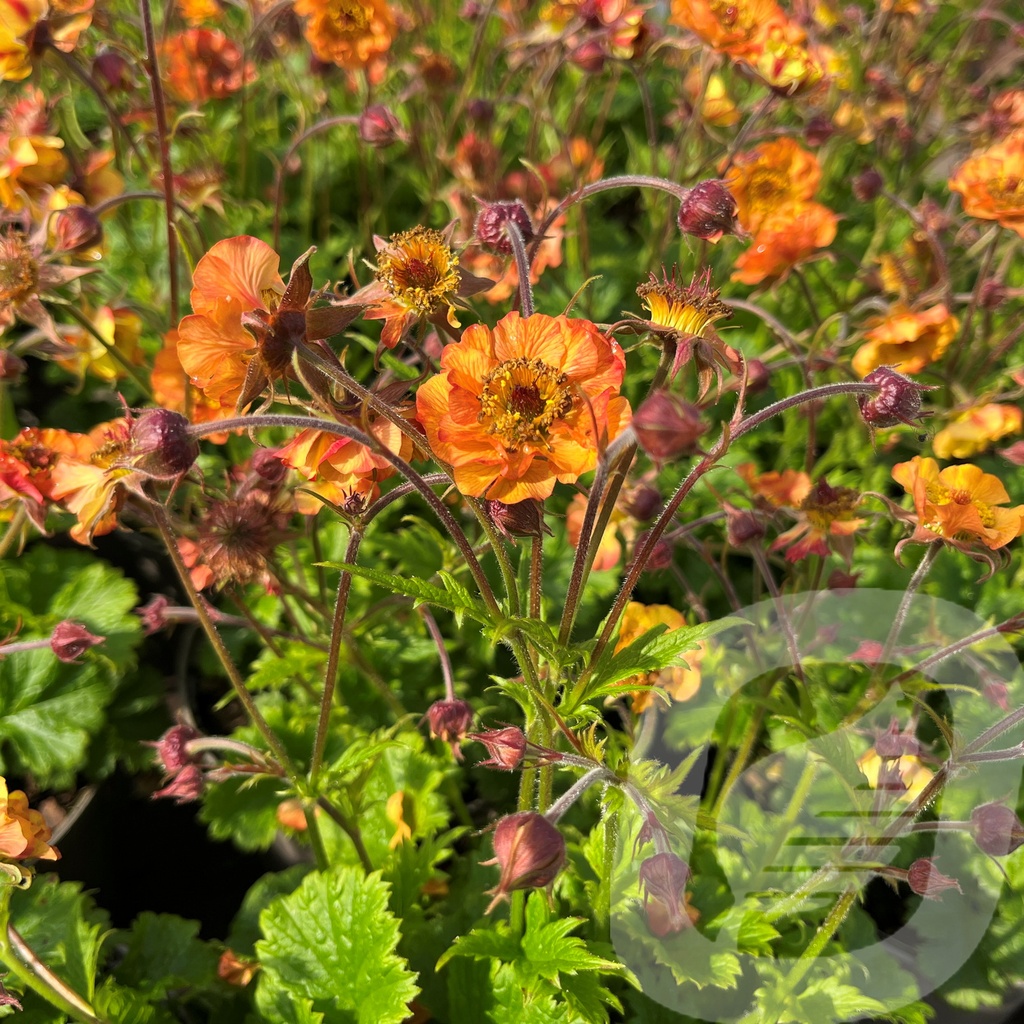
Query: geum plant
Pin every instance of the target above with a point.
(714, 803)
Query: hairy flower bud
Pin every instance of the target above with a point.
(76, 227)
(69, 640)
(708, 211)
(867, 185)
(668, 427)
(378, 126)
(996, 829)
(520, 519)
(742, 527)
(185, 787)
(758, 377)
(661, 555)
(450, 721)
(663, 879)
(506, 747)
(171, 749)
(926, 880)
(491, 221)
(530, 852)
(161, 446)
(267, 465)
(898, 399)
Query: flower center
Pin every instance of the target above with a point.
(1010, 190)
(19, 272)
(521, 399)
(349, 16)
(419, 270)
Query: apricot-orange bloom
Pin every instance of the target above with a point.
(736, 27)
(61, 21)
(976, 429)
(523, 405)
(202, 64)
(682, 681)
(769, 176)
(991, 183)
(354, 34)
(786, 237)
(168, 383)
(236, 276)
(907, 340)
(23, 832)
(959, 503)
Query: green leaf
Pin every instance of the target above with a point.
(333, 942)
(243, 810)
(278, 1005)
(424, 593)
(549, 948)
(245, 929)
(63, 928)
(489, 942)
(164, 952)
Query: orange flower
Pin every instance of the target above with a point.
(736, 27)
(120, 330)
(89, 484)
(976, 430)
(787, 489)
(236, 970)
(523, 405)
(168, 382)
(354, 34)
(26, 465)
(824, 519)
(340, 469)
(23, 832)
(764, 179)
(906, 340)
(195, 12)
(786, 237)
(959, 504)
(202, 64)
(991, 183)
(609, 551)
(680, 682)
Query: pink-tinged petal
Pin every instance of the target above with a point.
(234, 276)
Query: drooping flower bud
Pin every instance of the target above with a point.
(819, 130)
(267, 465)
(491, 221)
(589, 56)
(520, 519)
(70, 640)
(758, 377)
(480, 110)
(668, 427)
(530, 852)
(506, 747)
(185, 787)
(378, 126)
(450, 721)
(161, 446)
(926, 880)
(867, 185)
(663, 879)
(898, 399)
(111, 69)
(708, 211)
(643, 502)
(992, 294)
(76, 227)
(996, 829)
(742, 526)
(171, 749)
(893, 742)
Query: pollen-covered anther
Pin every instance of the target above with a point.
(19, 271)
(521, 399)
(419, 269)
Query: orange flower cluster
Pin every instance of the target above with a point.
(907, 340)
(991, 183)
(523, 405)
(976, 430)
(201, 64)
(757, 33)
(354, 34)
(23, 832)
(959, 504)
(773, 185)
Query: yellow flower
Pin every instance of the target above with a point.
(119, 328)
(687, 311)
(767, 178)
(976, 430)
(680, 682)
(913, 774)
(711, 98)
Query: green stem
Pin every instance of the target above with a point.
(351, 829)
(13, 530)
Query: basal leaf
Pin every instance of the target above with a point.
(164, 952)
(333, 942)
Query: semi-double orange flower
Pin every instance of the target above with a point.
(354, 34)
(201, 64)
(959, 504)
(767, 177)
(23, 832)
(908, 340)
(976, 429)
(26, 25)
(524, 405)
(991, 183)
(790, 235)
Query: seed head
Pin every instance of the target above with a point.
(506, 747)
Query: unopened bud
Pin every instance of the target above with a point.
(379, 127)
(11, 366)
(758, 377)
(450, 721)
(742, 527)
(480, 110)
(491, 221)
(530, 852)
(997, 830)
(267, 465)
(661, 554)
(644, 503)
(708, 211)
(867, 185)
(926, 880)
(520, 519)
(69, 640)
(893, 742)
(111, 69)
(76, 227)
(506, 747)
(663, 879)
(171, 749)
(185, 787)
(898, 399)
(161, 446)
(992, 294)
(589, 56)
(819, 130)
(667, 426)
